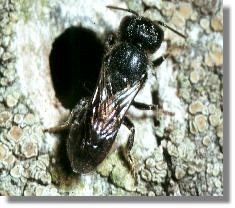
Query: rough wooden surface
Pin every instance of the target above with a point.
(189, 161)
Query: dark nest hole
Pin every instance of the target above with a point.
(75, 62)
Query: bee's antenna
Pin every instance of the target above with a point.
(157, 22)
(127, 10)
(170, 28)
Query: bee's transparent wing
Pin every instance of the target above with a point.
(109, 109)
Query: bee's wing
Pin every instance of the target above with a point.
(110, 108)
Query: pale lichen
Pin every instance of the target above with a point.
(174, 155)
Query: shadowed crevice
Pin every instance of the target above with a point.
(75, 62)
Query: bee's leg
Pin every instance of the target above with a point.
(126, 149)
(158, 61)
(62, 127)
(143, 106)
(59, 128)
(75, 114)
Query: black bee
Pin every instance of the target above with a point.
(94, 122)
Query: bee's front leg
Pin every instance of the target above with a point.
(157, 62)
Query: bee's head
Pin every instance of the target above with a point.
(141, 31)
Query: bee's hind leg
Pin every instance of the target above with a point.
(59, 128)
(75, 114)
(126, 149)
